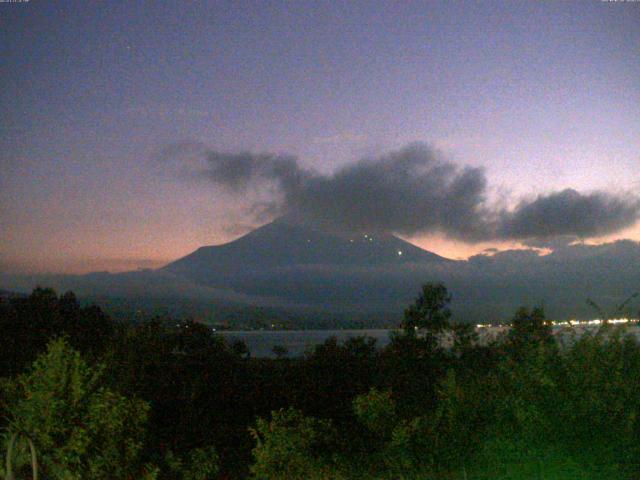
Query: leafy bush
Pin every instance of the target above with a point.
(79, 428)
(291, 446)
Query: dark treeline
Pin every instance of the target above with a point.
(167, 399)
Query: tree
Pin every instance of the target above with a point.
(200, 464)
(280, 351)
(464, 337)
(376, 410)
(28, 324)
(239, 347)
(530, 328)
(430, 310)
(361, 347)
(79, 429)
(293, 447)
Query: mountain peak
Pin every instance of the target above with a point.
(285, 244)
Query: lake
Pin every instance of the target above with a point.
(261, 342)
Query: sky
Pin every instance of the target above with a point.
(120, 121)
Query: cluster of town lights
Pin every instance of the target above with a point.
(572, 323)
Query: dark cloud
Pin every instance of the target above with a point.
(569, 214)
(413, 191)
(238, 171)
(408, 191)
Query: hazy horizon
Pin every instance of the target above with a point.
(81, 266)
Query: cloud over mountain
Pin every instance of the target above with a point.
(569, 213)
(237, 172)
(412, 191)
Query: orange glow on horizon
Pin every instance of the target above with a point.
(152, 255)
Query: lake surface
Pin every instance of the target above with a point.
(297, 342)
(261, 342)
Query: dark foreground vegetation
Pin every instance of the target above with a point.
(90, 398)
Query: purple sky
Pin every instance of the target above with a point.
(542, 95)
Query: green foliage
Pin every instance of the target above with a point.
(80, 429)
(565, 414)
(521, 407)
(202, 464)
(433, 443)
(291, 446)
(410, 453)
(376, 410)
(199, 464)
(523, 401)
(454, 420)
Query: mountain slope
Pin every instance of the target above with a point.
(296, 268)
(285, 245)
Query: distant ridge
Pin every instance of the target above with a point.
(317, 275)
(9, 294)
